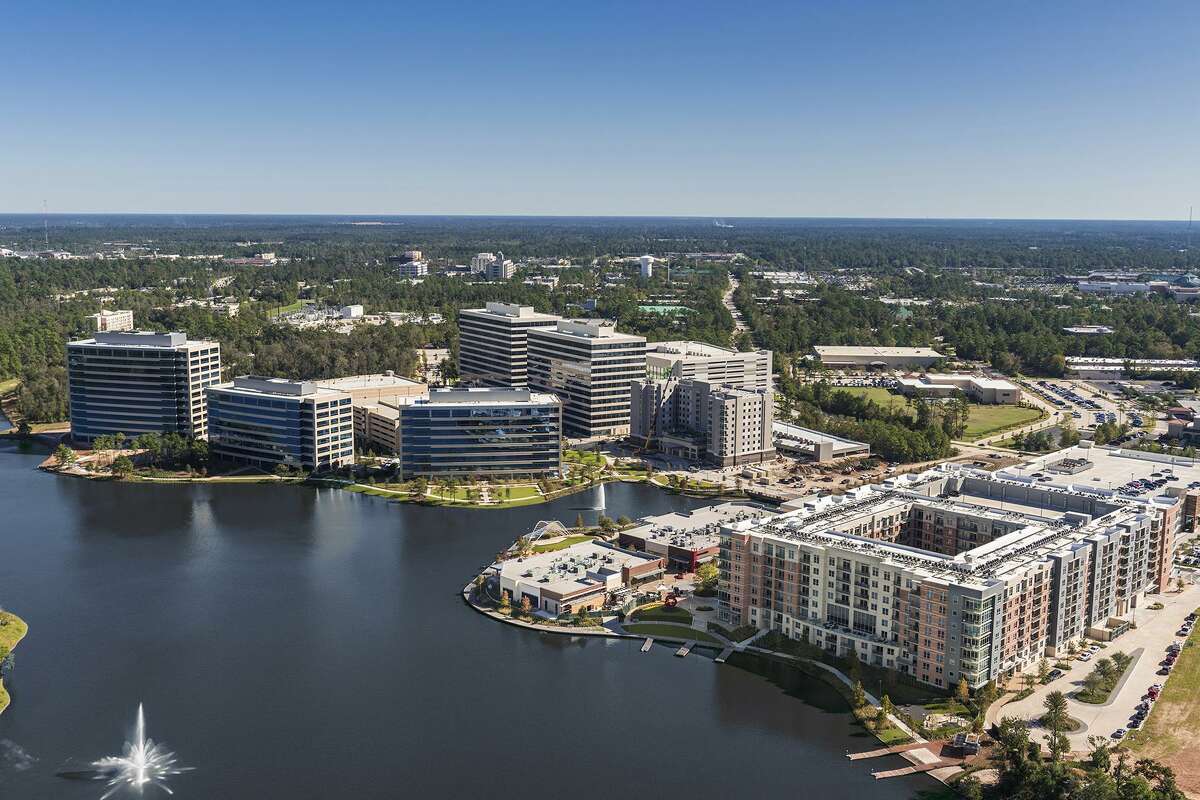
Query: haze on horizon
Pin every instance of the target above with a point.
(1020, 111)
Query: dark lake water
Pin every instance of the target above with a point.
(298, 643)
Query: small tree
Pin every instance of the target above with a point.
(64, 455)
(1043, 670)
(624, 521)
(505, 602)
(526, 606)
(707, 576)
(122, 467)
(886, 705)
(579, 526)
(881, 719)
(963, 692)
(858, 695)
(606, 524)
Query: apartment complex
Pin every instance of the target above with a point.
(961, 573)
(719, 365)
(492, 343)
(269, 422)
(112, 321)
(136, 382)
(975, 387)
(699, 419)
(589, 366)
(479, 432)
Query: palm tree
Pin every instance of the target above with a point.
(1056, 720)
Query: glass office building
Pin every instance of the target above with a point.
(135, 382)
(271, 421)
(484, 432)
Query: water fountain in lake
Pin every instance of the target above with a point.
(144, 763)
(600, 500)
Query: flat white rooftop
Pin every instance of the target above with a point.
(881, 352)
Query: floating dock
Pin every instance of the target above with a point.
(646, 645)
(725, 654)
(687, 648)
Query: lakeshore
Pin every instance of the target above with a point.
(12, 631)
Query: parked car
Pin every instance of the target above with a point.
(1119, 733)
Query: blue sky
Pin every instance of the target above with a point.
(914, 109)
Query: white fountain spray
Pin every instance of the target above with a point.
(144, 763)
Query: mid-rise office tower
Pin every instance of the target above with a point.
(476, 432)
(135, 382)
(708, 362)
(271, 421)
(590, 366)
(492, 343)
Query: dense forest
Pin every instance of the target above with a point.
(336, 261)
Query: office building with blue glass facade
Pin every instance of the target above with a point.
(136, 382)
(504, 433)
(267, 422)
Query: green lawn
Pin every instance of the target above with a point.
(668, 631)
(877, 393)
(559, 545)
(11, 632)
(9, 385)
(657, 612)
(985, 420)
(288, 309)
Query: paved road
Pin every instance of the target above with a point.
(1156, 630)
(739, 324)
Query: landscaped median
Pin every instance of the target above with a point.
(12, 631)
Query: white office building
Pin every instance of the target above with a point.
(590, 366)
(112, 321)
(708, 362)
(492, 343)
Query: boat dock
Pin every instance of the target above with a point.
(725, 654)
(687, 648)
(646, 645)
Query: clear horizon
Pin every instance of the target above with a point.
(931, 111)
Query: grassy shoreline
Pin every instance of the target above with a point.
(10, 635)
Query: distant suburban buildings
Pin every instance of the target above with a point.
(1088, 330)
(589, 366)
(412, 269)
(960, 573)
(840, 357)
(493, 343)
(268, 422)
(480, 261)
(136, 382)
(493, 266)
(112, 321)
(719, 365)
(975, 387)
(697, 419)
(1110, 368)
(492, 432)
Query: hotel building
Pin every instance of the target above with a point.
(698, 419)
(117, 320)
(492, 343)
(590, 366)
(958, 573)
(135, 382)
(271, 421)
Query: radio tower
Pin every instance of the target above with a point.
(46, 225)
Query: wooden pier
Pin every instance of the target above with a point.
(687, 648)
(646, 645)
(725, 654)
